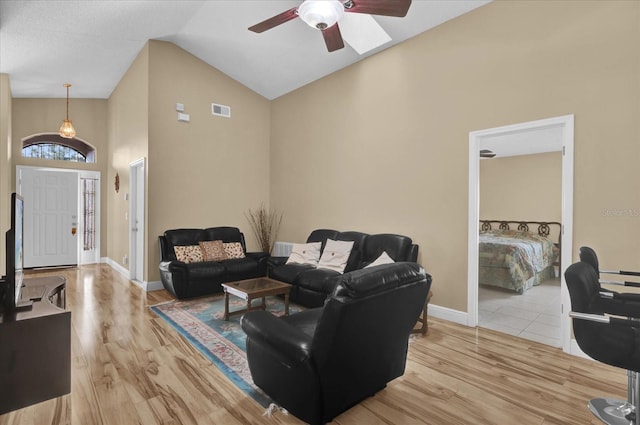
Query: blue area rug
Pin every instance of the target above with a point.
(201, 322)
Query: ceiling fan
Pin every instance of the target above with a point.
(486, 153)
(325, 14)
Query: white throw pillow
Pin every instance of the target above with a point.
(335, 255)
(382, 259)
(305, 253)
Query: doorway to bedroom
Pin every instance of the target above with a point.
(525, 173)
(521, 296)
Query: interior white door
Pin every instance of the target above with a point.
(139, 223)
(136, 213)
(50, 217)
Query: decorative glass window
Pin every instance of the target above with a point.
(89, 212)
(55, 147)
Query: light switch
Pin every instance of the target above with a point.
(183, 117)
(180, 107)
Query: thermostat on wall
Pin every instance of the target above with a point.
(221, 110)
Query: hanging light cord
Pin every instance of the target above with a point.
(67, 86)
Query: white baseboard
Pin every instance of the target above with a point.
(145, 286)
(456, 316)
(141, 285)
(116, 266)
(154, 286)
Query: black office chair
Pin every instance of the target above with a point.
(588, 255)
(608, 336)
(622, 305)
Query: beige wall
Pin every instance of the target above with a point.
(211, 170)
(89, 117)
(383, 145)
(128, 117)
(205, 173)
(523, 188)
(6, 186)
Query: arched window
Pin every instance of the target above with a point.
(53, 146)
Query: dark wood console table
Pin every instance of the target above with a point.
(35, 348)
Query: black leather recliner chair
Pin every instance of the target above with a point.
(607, 328)
(322, 361)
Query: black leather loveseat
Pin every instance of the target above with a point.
(312, 285)
(320, 362)
(186, 280)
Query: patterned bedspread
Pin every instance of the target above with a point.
(515, 260)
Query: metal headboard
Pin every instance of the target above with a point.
(544, 228)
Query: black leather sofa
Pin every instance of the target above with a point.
(311, 285)
(320, 362)
(187, 280)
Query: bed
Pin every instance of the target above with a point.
(513, 257)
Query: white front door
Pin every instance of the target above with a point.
(50, 217)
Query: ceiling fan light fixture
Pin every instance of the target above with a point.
(66, 129)
(487, 153)
(321, 14)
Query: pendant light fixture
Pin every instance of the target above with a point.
(66, 129)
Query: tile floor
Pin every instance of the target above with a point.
(534, 315)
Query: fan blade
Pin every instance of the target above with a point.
(397, 8)
(362, 32)
(275, 21)
(333, 38)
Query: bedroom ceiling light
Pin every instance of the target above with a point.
(486, 153)
(66, 129)
(321, 14)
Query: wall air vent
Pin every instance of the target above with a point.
(221, 110)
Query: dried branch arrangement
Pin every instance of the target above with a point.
(265, 224)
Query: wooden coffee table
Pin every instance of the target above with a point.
(251, 289)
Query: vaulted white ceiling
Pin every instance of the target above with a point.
(91, 43)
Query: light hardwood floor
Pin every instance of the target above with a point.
(129, 367)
